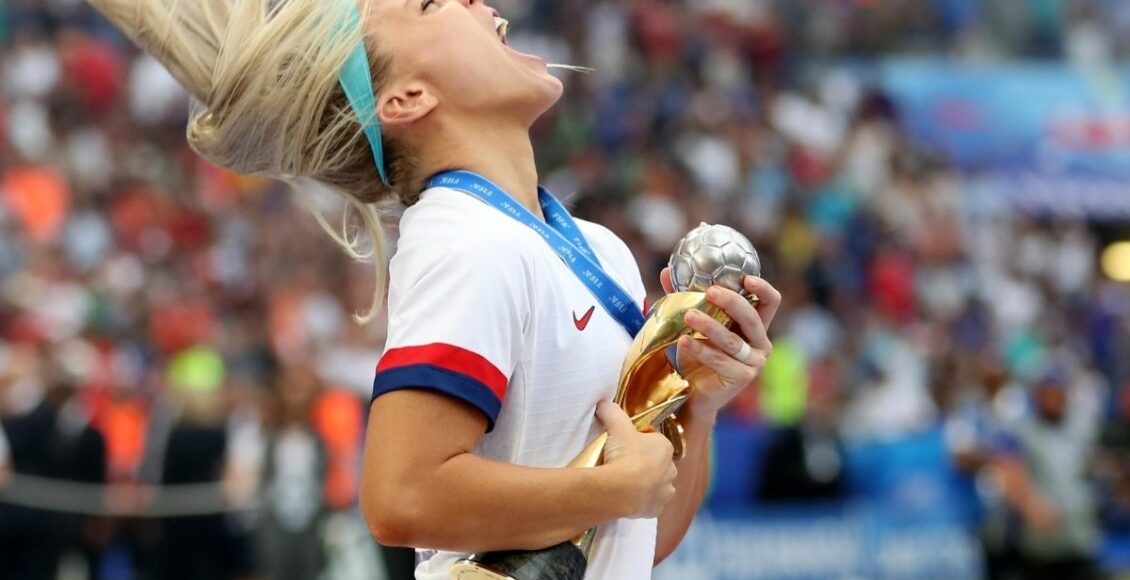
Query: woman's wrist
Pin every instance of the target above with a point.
(619, 489)
(700, 411)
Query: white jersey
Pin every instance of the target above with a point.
(481, 309)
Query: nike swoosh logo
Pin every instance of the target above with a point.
(583, 321)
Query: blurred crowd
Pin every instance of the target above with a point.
(187, 325)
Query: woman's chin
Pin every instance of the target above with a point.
(537, 102)
(557, 85)
(550, 87)
(554, 88)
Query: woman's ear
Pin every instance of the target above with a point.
(405, 103)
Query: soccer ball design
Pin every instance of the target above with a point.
(713, 255)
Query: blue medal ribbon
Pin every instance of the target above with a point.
(561, 233)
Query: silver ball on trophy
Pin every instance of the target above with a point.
(712, 255)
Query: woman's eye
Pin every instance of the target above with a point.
(428, 4)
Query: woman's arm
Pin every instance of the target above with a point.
(690, 485)
(717, 375)
(422, 486)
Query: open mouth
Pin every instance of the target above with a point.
(501, 25)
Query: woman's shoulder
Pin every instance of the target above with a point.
(455, 226)
(606, 242)
(599, 234)
(454, 216)
(615, 253)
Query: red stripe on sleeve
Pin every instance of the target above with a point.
(448, 357)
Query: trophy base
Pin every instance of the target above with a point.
(565, 561)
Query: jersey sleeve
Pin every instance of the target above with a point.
(458, 312)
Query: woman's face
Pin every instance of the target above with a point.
(454, 49)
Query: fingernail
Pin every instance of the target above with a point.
(713, 293)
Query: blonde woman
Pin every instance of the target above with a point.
(508, 320)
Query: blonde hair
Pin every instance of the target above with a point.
(265, 73)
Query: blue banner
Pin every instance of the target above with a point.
(1030, 117)
(858, 542)
(1053, 137)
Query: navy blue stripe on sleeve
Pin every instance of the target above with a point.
(440, 380)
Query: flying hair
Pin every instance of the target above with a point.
(264, 74)
(573, 68)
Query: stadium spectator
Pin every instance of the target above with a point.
(48, 436)
(805, 461)
(1047, 483)
(206, 545)
(978, 436)
(294, 481)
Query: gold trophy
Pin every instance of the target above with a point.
(651, 389)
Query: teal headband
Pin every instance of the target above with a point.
(356, 80)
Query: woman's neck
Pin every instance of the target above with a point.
(502, 154)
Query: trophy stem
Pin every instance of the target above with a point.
(584, 541)
(659, 417)
(592, 454)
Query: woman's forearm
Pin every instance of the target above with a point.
(690, 485)
(423, 486)
(471, 504)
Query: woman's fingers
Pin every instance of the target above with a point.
(752, 320)
(665, 281)
(731, 371)
(743, 314)
(768, 298)
(719, 336)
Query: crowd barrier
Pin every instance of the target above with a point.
(120, 500)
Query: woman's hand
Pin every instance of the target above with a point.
(727, 362)
(643, 463)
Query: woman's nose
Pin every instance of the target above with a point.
(493, 11)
